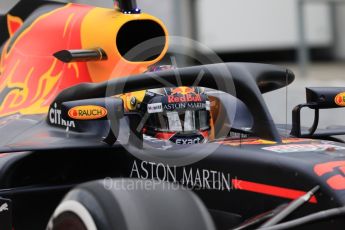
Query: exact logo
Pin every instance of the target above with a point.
(180, 141)
(340, 99)
(87, 112)
(185, 98)
(188, 140)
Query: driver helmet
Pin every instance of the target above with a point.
(180, 115)
(177, 114)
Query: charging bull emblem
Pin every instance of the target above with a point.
(182, 90)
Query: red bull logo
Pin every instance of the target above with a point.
(182, 90)
(186, 94)
(340, 99)
(185, 98)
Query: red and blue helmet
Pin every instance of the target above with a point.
(180, 115)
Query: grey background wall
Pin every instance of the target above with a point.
(247, 25)
(340, 27)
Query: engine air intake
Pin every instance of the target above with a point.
(141, 40)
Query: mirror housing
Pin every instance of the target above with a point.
(326, 97)
(318, 98)
(85, 112)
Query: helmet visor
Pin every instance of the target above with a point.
(179, 121)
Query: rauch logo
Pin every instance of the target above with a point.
(87, 112)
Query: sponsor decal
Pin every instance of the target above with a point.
(208, 105)
(4, 207)
(5, 214)
(193, 178)
(249, 141)
(294, 140)
(290, 148)
(56, 119)
(335, 172)
(196, 179)
(340, 99)
(187, 140)
(155, 108)
(180, 141)
(244, 140)
(181, 106)
(182, 90)
(184, 98)
(87, 112)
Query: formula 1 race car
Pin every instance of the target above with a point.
(94, 137)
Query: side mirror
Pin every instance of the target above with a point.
(85, 112)
(318, 98)
(326, 97)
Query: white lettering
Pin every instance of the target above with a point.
(55, 118)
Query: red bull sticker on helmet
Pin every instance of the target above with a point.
(184, 98)
(182, 90)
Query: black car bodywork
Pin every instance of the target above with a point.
(240, 179)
